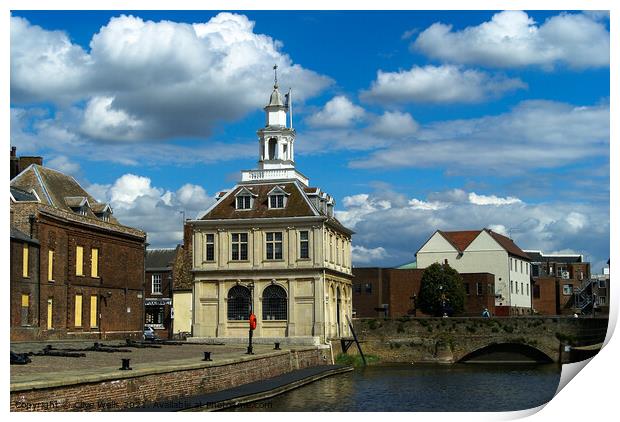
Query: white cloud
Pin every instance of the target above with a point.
(337, 112)
(167, 79)
(157, 211)
(535, 134)
(417, 204)
(129, 187)
(513, 39)
(45, 64)
(438, 84)
(362, 255)
(476, 199)
(64, 165)
(400, 229)
(102, 121)
(394, 124)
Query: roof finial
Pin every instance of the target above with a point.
(275, 76)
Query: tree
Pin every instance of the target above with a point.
(441, 291)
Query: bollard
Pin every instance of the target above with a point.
(97, 345)
(125, 366)
(277, 346)
(207, 356)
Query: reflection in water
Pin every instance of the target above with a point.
(424, 388)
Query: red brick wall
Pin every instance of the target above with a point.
(135, 391)
(396, 287)
(364, 303)
(546, 303)
(119, 287)
(21, 285)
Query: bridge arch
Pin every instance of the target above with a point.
(506, 353)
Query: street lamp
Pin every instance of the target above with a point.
(252, 319)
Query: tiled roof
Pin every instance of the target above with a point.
(56, 189)
(508, 244)
(160, 258)
(462, 239)
(296, 205)
(19, 235)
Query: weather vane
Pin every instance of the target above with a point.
(275, 75)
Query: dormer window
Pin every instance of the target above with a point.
(244, 199)
(276, 201)
(244, 202)
(277, 198)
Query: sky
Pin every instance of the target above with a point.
(414, 121)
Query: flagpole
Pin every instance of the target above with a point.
(290, 107)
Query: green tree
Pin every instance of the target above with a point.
(441, 290)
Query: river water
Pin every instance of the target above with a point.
(423, 388)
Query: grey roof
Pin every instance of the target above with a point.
(160, 258)
(19, 235)
(22, 195)
(56, 189)
(538, 256)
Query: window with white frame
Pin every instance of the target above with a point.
(276, 201)
(602, 284)
(210, 247)
(304, 245)
(244, 202)
(602, 300)
(239, 246)
(156, 283)
(273, 245)
(479, 289)
(567, 289)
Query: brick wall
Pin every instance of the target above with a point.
(119, 286)
(544, 296)
(396, 288)
(158, 387)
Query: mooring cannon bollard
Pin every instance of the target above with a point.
(207, 356)
(277, 346)
(125, 366)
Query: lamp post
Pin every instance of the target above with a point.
(252, 319)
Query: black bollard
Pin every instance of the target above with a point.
(97, 345)
(125, 366)
(207, 356)
(277, 346)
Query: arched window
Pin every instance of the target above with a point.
(273, 143)
(239, 303)
(274, 303)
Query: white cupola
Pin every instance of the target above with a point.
(276, 140)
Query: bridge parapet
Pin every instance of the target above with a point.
(452, 339)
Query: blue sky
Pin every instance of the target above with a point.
(414, 121)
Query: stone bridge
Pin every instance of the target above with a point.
(449, 340)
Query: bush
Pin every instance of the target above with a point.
(355, 360)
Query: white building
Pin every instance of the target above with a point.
(478, 251)
(271, 244)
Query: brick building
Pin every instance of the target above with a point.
(24, 280)
(159, 282)
(391, 292)
(87, 281)
(557, 281)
